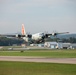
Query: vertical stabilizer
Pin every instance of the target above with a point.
(23, 30)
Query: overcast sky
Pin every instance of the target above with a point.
(38, 15)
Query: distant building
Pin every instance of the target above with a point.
(73, 46)
(66, 45)
(40, 45)
(14, 45)
(59, 45)
(52, 45)
(23, 45)
(1, 47)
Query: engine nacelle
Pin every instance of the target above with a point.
(29, 36)
(18, 36)
(54, 34)
(46, 35)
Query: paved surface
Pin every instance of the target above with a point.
(38, 59)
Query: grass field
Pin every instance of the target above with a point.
(22, 68)
(43, 53)
(27, 68)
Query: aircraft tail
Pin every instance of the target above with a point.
(23, 30)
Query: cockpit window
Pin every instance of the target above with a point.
(41, 34)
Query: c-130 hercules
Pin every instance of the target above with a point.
(37, 38)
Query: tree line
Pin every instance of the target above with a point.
(64, 40)
(4, 41)
(70, 40)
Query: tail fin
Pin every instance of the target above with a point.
(23, 30)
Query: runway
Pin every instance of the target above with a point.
(38, 59)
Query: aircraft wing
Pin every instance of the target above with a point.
(48, 34)
(5, 35)
(13, 36)
(54, 34)
(63, 33)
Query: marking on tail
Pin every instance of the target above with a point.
(23, 30)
